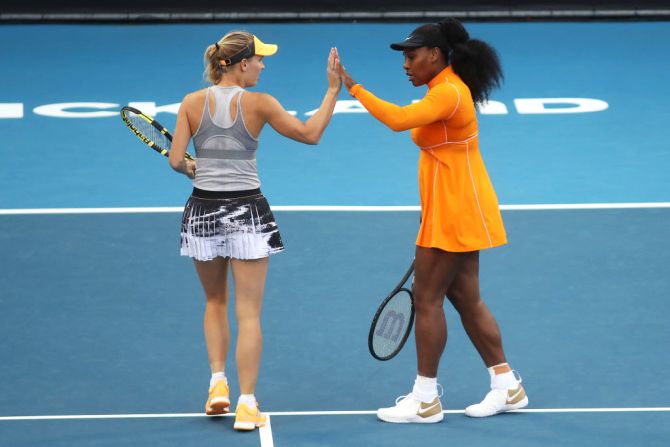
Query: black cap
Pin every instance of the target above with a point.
(424, 36)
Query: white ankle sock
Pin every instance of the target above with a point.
(425, 388)
(247, 399)
(216, 377)
(506, 380)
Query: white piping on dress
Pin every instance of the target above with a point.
(432, 229)
(458, 102)
(474, 188)
(470, 138)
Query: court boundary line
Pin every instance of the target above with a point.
(265, 433)
(334, 208)
(318, 413)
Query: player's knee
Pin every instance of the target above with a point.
(426, 300)
(248, 322)
(465, 304)
(248, 313)
(217, 299)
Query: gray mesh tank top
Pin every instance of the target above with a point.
(225, 151)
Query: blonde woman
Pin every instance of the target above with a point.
(227, 222)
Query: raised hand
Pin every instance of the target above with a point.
(333, 70)
(344, 74)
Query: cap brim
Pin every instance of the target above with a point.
(264, 49)
(408, 44)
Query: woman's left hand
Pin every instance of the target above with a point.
(190, 169)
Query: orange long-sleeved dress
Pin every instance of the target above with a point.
(459, 207)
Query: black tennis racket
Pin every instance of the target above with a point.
(150, 131)
(393, 321)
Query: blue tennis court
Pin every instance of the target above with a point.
(102, 319)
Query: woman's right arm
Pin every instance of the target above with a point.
(311, 130)
(439, 102)
(180, 140)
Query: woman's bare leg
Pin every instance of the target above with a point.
(249, 277)
(214, 279)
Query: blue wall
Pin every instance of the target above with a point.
(620, 154)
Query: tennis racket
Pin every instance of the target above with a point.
(150, 131)
(393, 321)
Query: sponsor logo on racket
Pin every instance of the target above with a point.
(395, 322)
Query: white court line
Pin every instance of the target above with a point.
(318, 413)
(265, 432)
(333, 208)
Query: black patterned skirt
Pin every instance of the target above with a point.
(230, 224)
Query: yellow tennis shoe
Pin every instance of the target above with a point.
(219, 399)
(248, 418)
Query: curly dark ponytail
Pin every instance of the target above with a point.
(475, 61)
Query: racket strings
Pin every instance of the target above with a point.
(392, 325)
(149, 131)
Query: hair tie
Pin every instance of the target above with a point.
(216, 44)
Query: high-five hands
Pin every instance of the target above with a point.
(344, 74)
(333, 71)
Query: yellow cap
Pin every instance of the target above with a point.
(255, 47)
(264, 49)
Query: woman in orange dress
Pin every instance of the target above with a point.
(459, 210)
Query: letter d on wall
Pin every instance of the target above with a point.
(562, 105)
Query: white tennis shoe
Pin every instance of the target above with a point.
(409, 409)
(499, 400)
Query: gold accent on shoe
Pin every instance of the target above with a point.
(516, 395)
(427, 409)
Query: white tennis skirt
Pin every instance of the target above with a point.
(230, 224)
